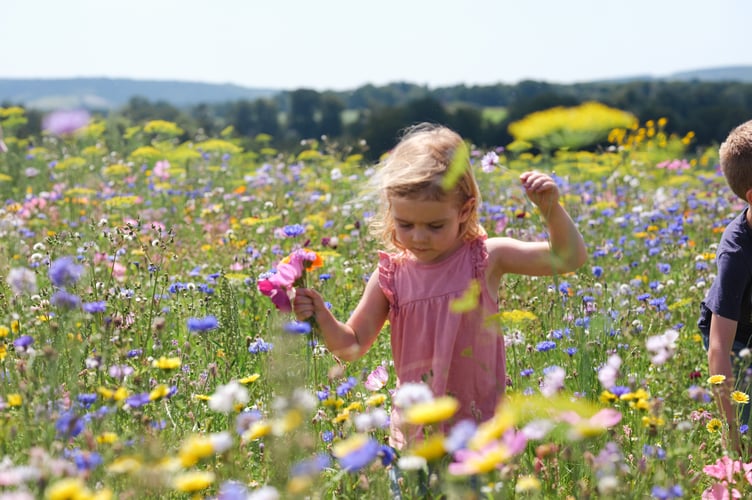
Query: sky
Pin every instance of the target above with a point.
(344, 44)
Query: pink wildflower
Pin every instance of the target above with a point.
(377, 378)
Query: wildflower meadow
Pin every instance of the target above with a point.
(147, 349)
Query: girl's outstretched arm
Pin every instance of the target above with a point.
(352, 339)
(564, 252)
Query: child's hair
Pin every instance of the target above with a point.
(416, 169)
(736, 159)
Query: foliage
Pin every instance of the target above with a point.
(139, 359)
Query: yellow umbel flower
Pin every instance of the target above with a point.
(164, 363)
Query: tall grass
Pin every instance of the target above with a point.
(171, 375)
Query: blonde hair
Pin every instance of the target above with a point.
(736, 159)
(418, 168)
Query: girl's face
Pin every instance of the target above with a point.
(430, 230)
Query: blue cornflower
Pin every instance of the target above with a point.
(357, 459)
(232, 490)
(64, 272)
(346, 386)
(664, 268)
(312, 466)
(571, 351)
(387, 454)
(325, 276)
(87, 399)
(65, 300)
(546, 345)
(94, 307)
(643, 296)
(69, 425)
(202, 324)
(744, 429)
(134, 353)
(327, 436)
(23, 341)
(323, 394)
(527, 372)
(298, 327)
(138, 400)
(259, 345)
(87, 460)
(293, 230)
(620, 390)
(597, 271)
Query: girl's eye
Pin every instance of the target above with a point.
(436, 228)
(405, 226)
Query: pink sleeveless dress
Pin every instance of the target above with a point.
(451, 352)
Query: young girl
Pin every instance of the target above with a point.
(439, 249)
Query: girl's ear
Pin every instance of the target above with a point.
(467, 209)
(748, 196)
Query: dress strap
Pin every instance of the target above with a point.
(479, 256)
(386, 278)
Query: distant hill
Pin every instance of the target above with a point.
(723, 74)
(110, 93)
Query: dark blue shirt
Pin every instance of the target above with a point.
(730, 294)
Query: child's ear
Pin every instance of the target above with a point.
(467, 209)
(748, 196)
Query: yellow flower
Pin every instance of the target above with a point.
(652, 421)
(431, 448)
(124, 465)
(607, 397)
(257, 430)
(716, 379)
(164, 363)
(376, 400)
(4, 331)
(714, 425)
(195, 448)
(431, 412)
(740, 397)
(249, 379)
(159, 392)
(3, 352)
(14, 399)
(191, 482)
(107, 438)
(69, 488)
(527, 483)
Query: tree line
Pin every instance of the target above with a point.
(374, 115)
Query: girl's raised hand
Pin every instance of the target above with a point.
(541, 189)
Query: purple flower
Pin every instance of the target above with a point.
(64, 271)
(138, 400)
(489, 161)
(65, 122)
(95, 307)
(546, 345)
(23, 342)
(299, 327)
(65, 300)
(22, 280)
(259, 345)
(361, 457)
(312, 466)
(232, 490)
(293, 230)
(202, 324)
(69, 425)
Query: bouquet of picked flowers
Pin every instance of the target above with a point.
(279, 285)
